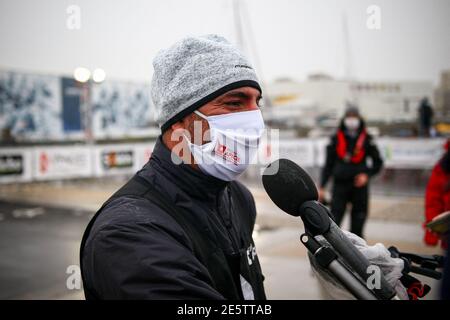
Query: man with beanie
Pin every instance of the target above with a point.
(346, 163)
(181, 228)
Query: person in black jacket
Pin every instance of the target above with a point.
(346, 162)
(425, 112)
(181, 228)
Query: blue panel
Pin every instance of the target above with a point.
(71, 99)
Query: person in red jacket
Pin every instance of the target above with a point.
(437, 197)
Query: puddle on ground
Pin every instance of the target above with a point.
(28, 213)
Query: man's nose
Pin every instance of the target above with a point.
(252, 106)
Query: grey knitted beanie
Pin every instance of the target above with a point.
(193, 72)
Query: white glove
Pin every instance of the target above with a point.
(377, 255)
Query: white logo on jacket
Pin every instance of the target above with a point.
(251, 254)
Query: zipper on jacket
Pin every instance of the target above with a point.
(228, 224)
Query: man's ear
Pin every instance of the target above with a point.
(180, 128)
(173, 134)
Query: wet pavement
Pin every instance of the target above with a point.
(41, 226)
(37, 244)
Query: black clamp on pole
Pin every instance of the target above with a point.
(327, 258)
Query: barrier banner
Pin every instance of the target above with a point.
(300, 151)
(19, 164)
(410, 153)
(61, 162)
(15, 165)
(320, 149)
(397, 153)
(143, 153)
(114, 159)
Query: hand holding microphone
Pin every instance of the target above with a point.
(293, 191)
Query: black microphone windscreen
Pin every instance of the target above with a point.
(288, 185)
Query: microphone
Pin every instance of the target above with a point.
(294, 192)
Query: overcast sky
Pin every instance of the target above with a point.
(292, 38)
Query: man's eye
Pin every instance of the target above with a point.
(233, 103)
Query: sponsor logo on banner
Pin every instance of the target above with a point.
(43, 162)
(11, 164)
(63, 162)
(412, 154)
(143, 152)
(117, 159)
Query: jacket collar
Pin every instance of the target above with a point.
(192, 181)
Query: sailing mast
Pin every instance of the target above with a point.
(348, 60)
(240, 10)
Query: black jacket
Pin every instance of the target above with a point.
(344, 172)
(136, 250)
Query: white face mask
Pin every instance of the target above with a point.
(351, 123)
(233, 146)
